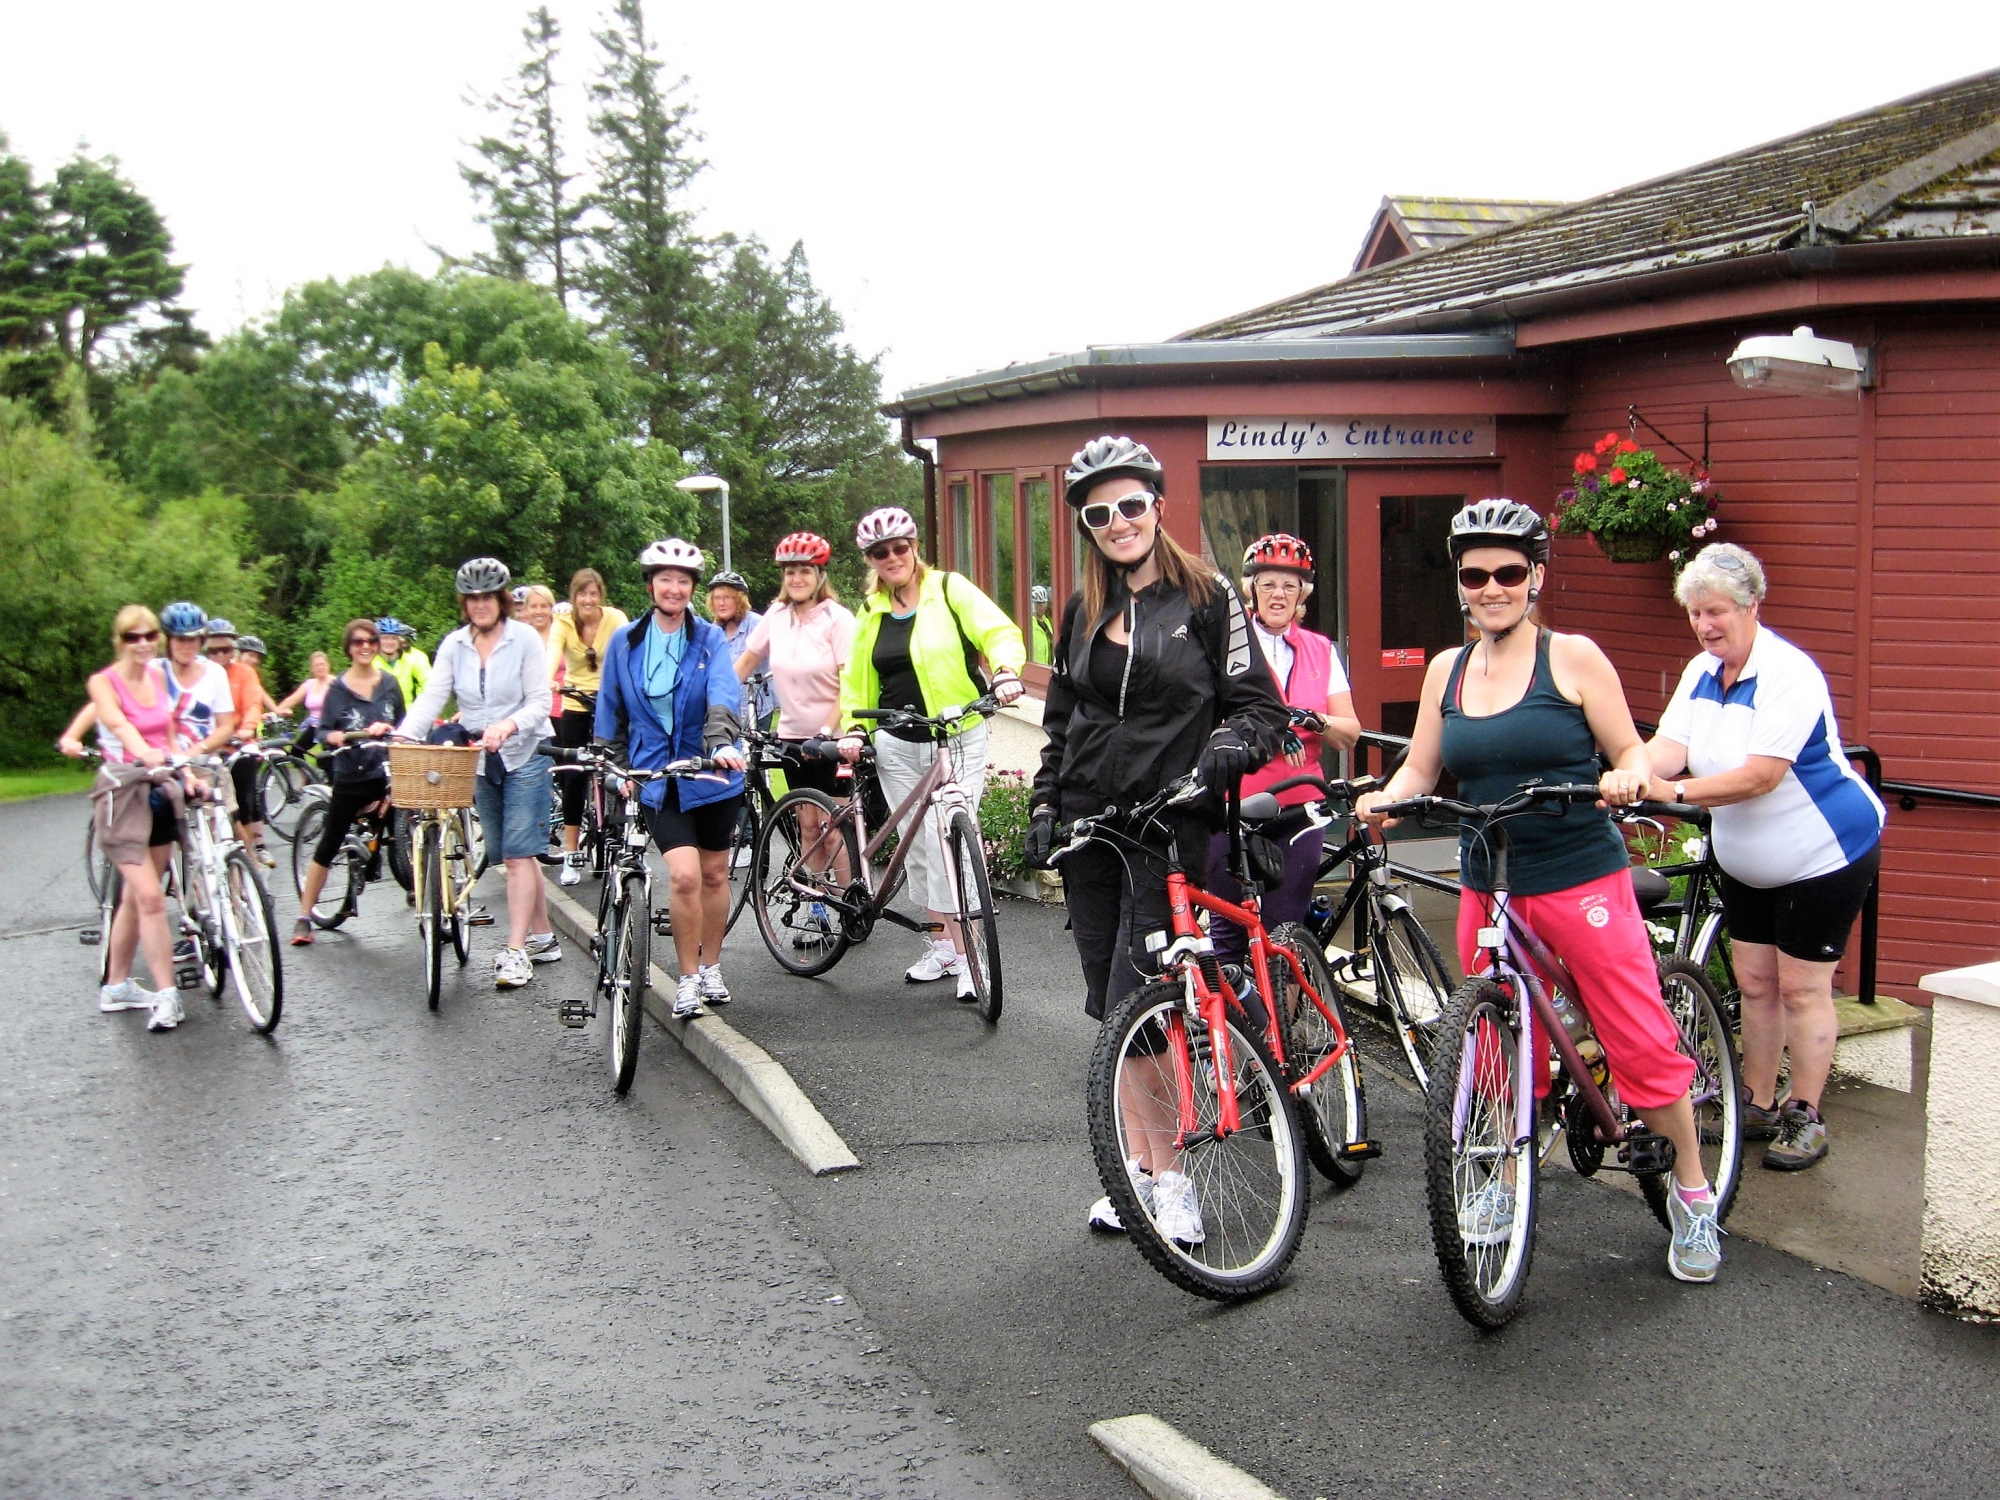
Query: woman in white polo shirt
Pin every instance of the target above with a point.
(1797, 833)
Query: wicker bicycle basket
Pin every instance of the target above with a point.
(424, 776)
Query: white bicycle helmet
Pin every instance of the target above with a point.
(882, 525)
(671, 553)
(1107, 458)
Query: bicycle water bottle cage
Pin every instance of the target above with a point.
(1644, 1152)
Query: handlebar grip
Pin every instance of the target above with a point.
(1302, 780)
(1403, 808)
(1688, 812)
(557, 752)
(1568, 791)
(872, 713)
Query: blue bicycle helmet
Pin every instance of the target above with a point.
(182, 618)
(219, 627)
(390, 625)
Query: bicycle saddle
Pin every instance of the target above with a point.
(1652, 889)
(1260, 808)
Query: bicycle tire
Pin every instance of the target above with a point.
(211, 950)
(397, 839)
(1335, 1114)
(281, 787)
(978, 916)
(1485, 1287)
(107, 914)
(474, 833)
(255, 970)
(783, 913)
(1718, 1111)
(1251, 1186)
(743, 858)
(336, 897)
(604, 940)
(1409, 967)
(94, 866)
(628, 985)
(456, 926)
(430, 922)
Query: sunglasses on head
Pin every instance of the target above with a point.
(1097, 515)
(883, 551)
(1510, 577)
(134, 637)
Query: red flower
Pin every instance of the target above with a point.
(1606, 443)
(1628, 446)
(1616, 476)
(1586, 463)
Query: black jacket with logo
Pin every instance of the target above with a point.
(1191, 670)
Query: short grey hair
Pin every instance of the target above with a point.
(1721, 568)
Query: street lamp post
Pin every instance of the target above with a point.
(701, 484)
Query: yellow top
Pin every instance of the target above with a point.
(584, 665)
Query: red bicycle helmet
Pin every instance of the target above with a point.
(1280, 552)
(804, 547)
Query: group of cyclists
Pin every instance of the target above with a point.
(1158, 670)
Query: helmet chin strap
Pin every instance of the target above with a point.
(1492, 637)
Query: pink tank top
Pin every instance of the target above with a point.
(154, 724)
(315, 698)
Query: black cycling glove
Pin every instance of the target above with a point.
(1226, 761)
(1041, 839)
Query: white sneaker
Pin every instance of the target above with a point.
(124, 995)
(713, 990)
(572, 869)
(818, 928)
(1175, 1210)
(942, 959)
(511, 969)
(166, 1011)
(966, 992)
(543, 948)
(1104, 1218)
(687, 997)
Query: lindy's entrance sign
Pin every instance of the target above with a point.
(1341, 439)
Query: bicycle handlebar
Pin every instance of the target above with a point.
(590, 757)
(941, 724)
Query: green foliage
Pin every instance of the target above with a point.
(1636, 506)
(75, 545)
(520, 179)
(1003, 823)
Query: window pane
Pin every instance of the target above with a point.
(963, 536)
(1000, 520)
(1240, 505)
(1036, 498)
(1419, 591)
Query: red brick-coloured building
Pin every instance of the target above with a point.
(1362, 413)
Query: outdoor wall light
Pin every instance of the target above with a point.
(701, 484)
(1801, 364)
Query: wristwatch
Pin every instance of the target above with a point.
(1680, 791)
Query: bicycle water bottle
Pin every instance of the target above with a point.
(1577, 1024)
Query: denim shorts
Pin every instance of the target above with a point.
(517, 812)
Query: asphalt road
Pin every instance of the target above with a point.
(401, 1254)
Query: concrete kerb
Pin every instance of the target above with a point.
(758, 1080)
(1169, 1466)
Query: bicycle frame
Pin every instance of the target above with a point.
(450, 824)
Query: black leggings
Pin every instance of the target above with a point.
(349, 800)
(243, 772)
(1116, 897)
(573, 733)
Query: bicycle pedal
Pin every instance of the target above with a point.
(1646, 1153)
(573, 1016)
(663, 923)
(1360, 1151)
(479, 919)
(90, 937)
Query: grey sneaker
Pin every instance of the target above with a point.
(1696, 1251)
(687, 998)
(543, 948)
(166, 1011)
(1801, 1139)
(1489, 1218)
(124, 995)
(1759, 1124)
(713, 990)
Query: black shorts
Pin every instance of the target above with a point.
(166, 827)
(820, 775)
(709, 826)
(1808, 919)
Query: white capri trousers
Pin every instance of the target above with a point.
(901, 764)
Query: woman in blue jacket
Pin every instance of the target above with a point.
(669, 692)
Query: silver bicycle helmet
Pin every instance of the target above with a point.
(1499, 523)
(481, 575)
(729, 580)
(1108, 458)
(252, 645)
(671, 552)
(882, 525)
(219, 627)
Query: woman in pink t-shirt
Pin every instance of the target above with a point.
(805, 635)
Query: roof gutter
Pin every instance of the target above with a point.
(922, 455)
(1105, 363)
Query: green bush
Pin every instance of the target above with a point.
(1003, 823)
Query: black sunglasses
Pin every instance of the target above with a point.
(1097, 514)
(886, 550)
(363, 640)
(590, 657)
(134, 637)
(1510, 577)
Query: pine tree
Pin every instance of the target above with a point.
(520, 179)
(646, 271)
(114, 247)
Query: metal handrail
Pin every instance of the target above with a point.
(1907, 792)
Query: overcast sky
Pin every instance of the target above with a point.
(974, 184)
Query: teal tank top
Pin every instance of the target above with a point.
(1545, 738)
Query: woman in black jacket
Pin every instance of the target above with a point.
(1156, 672)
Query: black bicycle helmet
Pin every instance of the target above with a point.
(1499, 523)
(1108, 458)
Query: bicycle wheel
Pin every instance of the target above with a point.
(251, 932)
(282, 785)
(978, 920)
(95, 866)
(458, 866)
(629, 981)
(473, 832)
(1335, 1114)
(743, 858)
(107, 912)
(340, 896)
(604, 940)
(397, 837)
(1718, 1096)
(1481, 1186)
(788, 887)
(1411, 982)
(1249, 1187)
(430, 919)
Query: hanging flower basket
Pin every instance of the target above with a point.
(1634, 507)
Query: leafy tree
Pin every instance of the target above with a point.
(114, 247)
(646, 271)
(520, 180)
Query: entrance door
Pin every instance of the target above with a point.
(1402, 605)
